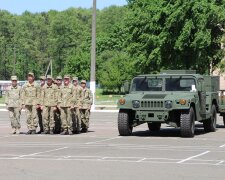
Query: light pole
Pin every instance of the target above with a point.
(93, 55)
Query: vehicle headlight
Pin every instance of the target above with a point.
(168, 104)
(122, 101)
(136, 104)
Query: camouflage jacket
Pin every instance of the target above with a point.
(49, 95)
(78, 97)
(31, 94)
(87, 99)
(66, 96)
(13, 96)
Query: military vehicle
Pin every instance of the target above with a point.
(175, 97)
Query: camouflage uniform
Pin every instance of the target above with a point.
(57, 112)
(76, 118)
(86, 107)
(31, 98)
(65, 103)
(13, 103)
(39, 111)
(49, 99)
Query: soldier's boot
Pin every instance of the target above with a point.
(51, 132)
(13, 131)
(45, 132)
(70, 132)
(84, 130)
(29, 132)
(40, 132)
(33, 132)
(17, 130)
(64, 132)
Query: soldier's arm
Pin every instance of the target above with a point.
(42, 96)
(23, 95)
(7, 96)
(38, 89)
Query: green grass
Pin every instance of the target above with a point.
(2, 100)
(106, 99)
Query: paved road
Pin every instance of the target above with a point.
(102, 154)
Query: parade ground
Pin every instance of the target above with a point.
(103, 154)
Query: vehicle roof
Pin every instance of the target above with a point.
(168, 75)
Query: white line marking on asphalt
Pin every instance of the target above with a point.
(192, 157)
(222, 146)
(219, 163)
(103, 140)
(27, 155)
(141, 160)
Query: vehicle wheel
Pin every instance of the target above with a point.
(187, 123)
(210, 124)
(154, 126)
(124, 125)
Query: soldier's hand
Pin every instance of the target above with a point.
(38, 106)
(41, 107)
(54, 108)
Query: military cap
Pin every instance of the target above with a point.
(59, 77)
(42, 78)
(49, 77)
(14, 78)
(75, 78)
(83, 82)
(66, 76)
(31, 74)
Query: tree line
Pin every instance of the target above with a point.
(141, 37)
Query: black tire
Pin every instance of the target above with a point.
(187, 123)
(154, 126)
(210, 124)
(124, 125)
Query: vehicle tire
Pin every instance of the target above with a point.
(124, 125)
(187, 123)
(154, 126)
(210, 124)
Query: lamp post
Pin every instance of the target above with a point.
(93, 55)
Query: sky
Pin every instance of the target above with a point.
(19, 6)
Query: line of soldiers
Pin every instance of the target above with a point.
(61, 106)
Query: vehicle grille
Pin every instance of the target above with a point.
(152, 104)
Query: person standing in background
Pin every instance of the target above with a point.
(13, 104)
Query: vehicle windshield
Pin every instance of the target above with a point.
(147, 84)
(180, 84)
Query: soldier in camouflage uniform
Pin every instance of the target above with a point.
(85, 107)
(57, 118)
(13, 103)
(39, 110)
(66, 104)
(30, 102)
(49, 100)
(76, 118)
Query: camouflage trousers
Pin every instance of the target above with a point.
(14, 115)
(48, 118)
(40, 119)
(66, 118)
(31, 113)
(85, 116)
(57, 118)
(76, 118)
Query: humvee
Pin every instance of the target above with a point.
(222, 104)
(175, 97)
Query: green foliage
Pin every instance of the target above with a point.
(142, 37)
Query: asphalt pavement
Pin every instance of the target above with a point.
(102, 154)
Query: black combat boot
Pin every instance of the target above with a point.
(29, 132)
